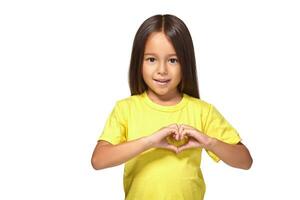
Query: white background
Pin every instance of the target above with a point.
(65, 63)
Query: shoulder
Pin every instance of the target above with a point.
(199, 103)
(127, 102)
(207, 109)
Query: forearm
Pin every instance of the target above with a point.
(113, 155)
(235, 155)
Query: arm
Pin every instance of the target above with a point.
(235, 155)
(107, 155)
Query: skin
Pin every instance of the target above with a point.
(235, 155)
(160, 62)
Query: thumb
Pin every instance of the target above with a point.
(171, 147)
(183, 147)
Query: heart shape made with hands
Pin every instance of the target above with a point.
(171, 139)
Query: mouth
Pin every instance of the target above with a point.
(162, 81)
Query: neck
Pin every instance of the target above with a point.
(166, 99)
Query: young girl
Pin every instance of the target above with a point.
(160, 131)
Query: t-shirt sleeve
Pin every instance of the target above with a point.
(217, 126)
(115, 128)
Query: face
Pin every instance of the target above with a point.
(161, 69)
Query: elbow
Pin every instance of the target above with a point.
(100, 158)
(96, 163)
(244, 163)
(247, 164)
(248, 161)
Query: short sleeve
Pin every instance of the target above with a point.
(115, 128)
(218, 127)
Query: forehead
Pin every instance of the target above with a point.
(158, 43)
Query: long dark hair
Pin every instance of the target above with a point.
(178, 33)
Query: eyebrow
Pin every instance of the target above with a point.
(171, 54)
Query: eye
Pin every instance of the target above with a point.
(150, 59)
(174, 60)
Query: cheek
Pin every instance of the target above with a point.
(146, 72)
(144, 69)
(177, 74)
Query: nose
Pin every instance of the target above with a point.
(162, 68)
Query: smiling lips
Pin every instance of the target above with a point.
(162, 81)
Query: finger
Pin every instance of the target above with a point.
(194, 134)
(186, 132)
(187, 126)
(172, 148)
(182, 148)
(180, 132)
(175, 133)
(173, 125)
(192, 128)
(170, 131)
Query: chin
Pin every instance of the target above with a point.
(161, 92)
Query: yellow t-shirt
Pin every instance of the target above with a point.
(161, 174)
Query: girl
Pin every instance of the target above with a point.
(160, 131)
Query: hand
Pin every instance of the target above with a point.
(159, 138)
(196, 138)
